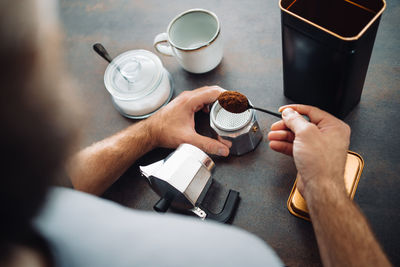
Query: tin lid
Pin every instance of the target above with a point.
(133, 75)
(353, 169)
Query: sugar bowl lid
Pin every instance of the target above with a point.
(133, 74)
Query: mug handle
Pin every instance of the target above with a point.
(159, 45)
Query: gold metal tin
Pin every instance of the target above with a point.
(354, 166)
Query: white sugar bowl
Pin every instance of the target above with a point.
(138, 83)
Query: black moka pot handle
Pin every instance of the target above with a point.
(163, 204)
(227, 211)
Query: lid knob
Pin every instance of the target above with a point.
(131, 69)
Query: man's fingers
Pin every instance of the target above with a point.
(293, 120)
(282, 147)
(205, 95)
(209, 145)
(206, 108)
(225, 142)
(281, 135)
(279, 125)
(315, 114)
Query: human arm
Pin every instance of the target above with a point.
(98, 166)
(319, 150)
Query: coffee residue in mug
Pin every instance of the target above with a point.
(233, 101)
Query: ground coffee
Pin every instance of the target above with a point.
(233, 101)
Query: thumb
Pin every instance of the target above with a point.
(209, 145)
(293, 120)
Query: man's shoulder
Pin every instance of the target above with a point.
(89, 231)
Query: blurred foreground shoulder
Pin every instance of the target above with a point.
(88, 231)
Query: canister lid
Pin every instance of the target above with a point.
(352, 173)
(133, 75)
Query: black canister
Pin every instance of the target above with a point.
(326, 48)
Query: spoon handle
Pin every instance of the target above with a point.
(99, 48)
(279, 115)
(268, 111)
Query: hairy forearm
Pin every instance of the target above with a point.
(343, 234)
(98, 166)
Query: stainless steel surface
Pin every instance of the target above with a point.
(228, 121)
(241, 129)
(199, 212)
(148, 170)
(187, 170)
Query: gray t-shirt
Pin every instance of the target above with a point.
(84, 230)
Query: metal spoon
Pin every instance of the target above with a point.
(276, 114)
(242, 104)
(99, 48)
(279, 115)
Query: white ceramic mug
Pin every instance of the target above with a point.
(193, 38)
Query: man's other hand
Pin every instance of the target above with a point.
(319, 148)
(174, 124)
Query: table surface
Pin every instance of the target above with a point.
(252, 64)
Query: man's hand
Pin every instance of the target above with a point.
(319, 148)
(96, 167)
(174, 124)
